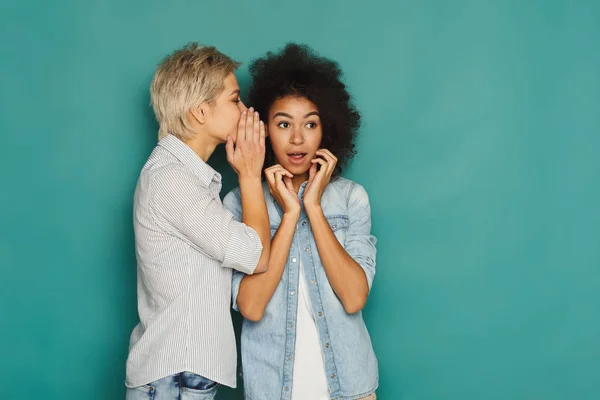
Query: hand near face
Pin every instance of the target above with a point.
(319, 179)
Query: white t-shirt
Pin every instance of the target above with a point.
(309, 380)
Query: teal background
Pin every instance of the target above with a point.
(479, 151)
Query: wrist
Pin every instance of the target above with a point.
(293, 215)
(313, 210)
(245, 178)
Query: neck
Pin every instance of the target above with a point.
(298, 180)
(203, 145)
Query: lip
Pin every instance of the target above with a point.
(297, 157)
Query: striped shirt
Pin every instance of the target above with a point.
(186, 245)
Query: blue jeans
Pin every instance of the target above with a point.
(182, 386)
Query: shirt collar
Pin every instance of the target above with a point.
(190, 159)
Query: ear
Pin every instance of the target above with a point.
(200, 113)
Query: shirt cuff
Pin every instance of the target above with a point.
(243, 248)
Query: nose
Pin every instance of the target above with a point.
(242, 106)
(297, 137)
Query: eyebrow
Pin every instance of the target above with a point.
(236, 91)
(282, 114)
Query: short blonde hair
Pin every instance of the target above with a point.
(182, 81)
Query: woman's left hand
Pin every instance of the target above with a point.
(318, 180)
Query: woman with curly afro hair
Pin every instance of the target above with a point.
(303, 336)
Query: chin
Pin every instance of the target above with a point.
(297, 169)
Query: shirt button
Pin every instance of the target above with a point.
(312, 281)
(286, 388)
(320, 313)
(334, 226)
(289, 357)
(306, 249)
(291, 324)
(326, 345)
(294, 259)
(303, 223)
(292, 293)
(332, 376)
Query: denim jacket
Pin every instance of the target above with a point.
(268, 345)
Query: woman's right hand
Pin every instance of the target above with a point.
(281, 188)
(247, 156)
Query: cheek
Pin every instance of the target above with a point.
(277, 143)
(234, 116)
(315, 140)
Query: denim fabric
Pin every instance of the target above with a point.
(182, 386)
(268, 346)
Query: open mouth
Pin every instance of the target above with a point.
(297, 157)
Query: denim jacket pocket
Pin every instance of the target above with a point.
(339, 226)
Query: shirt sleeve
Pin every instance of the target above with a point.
(188, 210)
(233, 203)
(359, 243)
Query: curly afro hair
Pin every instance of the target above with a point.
(298, 71)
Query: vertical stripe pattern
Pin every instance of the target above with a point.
(186, 246)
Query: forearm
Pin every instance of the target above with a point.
(346, 276)
(256, 290)
(255, 215)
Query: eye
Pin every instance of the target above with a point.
(236, 101)
(283, 125)
(311, 125)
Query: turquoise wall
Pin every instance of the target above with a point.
(479, 150)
